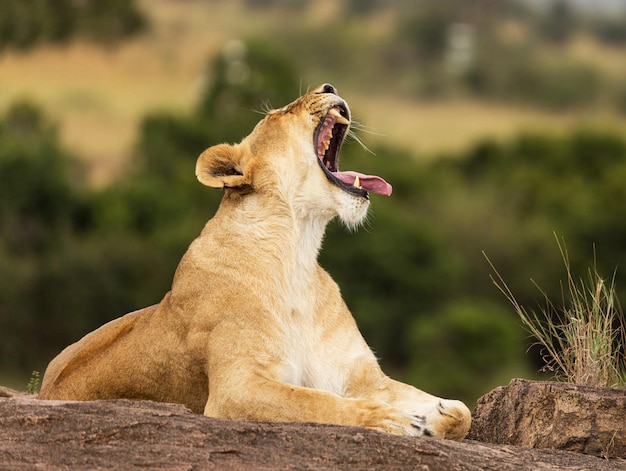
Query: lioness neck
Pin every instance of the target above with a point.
(269, 227)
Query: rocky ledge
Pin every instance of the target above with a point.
(130, 435)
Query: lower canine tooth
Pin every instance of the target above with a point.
(357, 182)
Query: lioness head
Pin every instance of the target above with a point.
(292, 155)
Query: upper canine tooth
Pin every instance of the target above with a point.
(338, 118)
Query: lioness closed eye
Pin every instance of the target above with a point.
(253, 327)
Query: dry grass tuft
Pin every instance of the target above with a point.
(583, 340)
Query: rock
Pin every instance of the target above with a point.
(558, 416)
(123, 434)
(8, 392)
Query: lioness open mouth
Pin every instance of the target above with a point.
(328, 138)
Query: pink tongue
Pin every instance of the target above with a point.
(370, 183)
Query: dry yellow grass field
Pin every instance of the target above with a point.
(98, 96)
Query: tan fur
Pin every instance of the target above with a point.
(253, 327)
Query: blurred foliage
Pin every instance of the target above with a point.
(63, 270)
(35, 180)
(446, 357)
(558, 23)
(247, 77)
(517, 73)
(611, 31)
(501, 51)
(26, 23)
(426, 33)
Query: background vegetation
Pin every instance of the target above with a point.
(74, 254)
(26, 23)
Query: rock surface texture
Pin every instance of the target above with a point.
(558, 416)
(54, 435)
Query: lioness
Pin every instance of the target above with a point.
(253, 327)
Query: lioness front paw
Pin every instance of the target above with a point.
(405, 424)
(448, 419)
(383, 417)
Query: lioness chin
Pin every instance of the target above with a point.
(253, 327)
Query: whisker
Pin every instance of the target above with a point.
(252, 110)
(363, 128)
(266, 106)
(353, 135)
(308, 88)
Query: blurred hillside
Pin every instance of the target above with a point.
(429, 76)
(497, 123)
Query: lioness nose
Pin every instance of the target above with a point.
(328, 88)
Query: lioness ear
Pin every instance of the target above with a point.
(220, 166)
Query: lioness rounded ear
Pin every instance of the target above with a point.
(220, 167)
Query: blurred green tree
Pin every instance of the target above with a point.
(36, 200)
(26, 23)
(465, 346)
(426, 32)
(37, 208)
(558, 23)
(247, 78)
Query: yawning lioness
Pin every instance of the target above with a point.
(253, 327)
